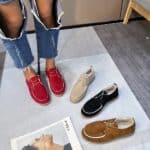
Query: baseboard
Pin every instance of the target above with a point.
(92, 24)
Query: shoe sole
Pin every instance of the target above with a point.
(46, 104)
(101, 140)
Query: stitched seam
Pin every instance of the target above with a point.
(60, 89)
(93, 111)
(93, 137)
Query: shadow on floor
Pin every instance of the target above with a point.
(2, 60)
(42, 73)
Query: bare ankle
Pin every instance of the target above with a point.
(50, 63)
(29, 72)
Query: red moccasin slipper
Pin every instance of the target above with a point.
(37, 90)
(56, 81)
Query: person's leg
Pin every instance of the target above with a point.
(11, 19)
(47, 22)
(46, 14)
(12, 24)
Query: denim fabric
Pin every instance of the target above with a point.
(5, 1)
(19, 51)
(47, 39)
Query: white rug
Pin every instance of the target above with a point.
(20, 115)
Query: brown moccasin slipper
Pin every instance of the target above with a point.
(107, 130)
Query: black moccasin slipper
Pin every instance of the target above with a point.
(96, 103)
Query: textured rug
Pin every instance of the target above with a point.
(20, 115)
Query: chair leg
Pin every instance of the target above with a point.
(149, 17)
(128, 13)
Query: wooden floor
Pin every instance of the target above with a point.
(129, 46)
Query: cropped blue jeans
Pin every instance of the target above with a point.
(47, 38)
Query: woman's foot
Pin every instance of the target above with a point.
(36, 88)
(50, 64)
(29, 73)
(56, 80)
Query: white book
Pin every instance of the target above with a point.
(61, 134)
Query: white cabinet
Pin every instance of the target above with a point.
(79, 12)
(90, 11)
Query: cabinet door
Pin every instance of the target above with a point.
(85, 11)
(90, 11)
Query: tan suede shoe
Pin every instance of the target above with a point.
(80, 88)
(107, 130)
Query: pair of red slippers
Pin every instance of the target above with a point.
(38, 91)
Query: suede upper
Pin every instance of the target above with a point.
(81, 86)
(38, 90)
(107, 130)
